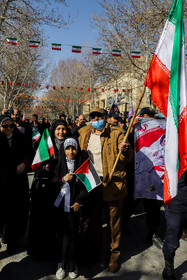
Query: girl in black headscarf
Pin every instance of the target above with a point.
(42, 234)
(14, 188)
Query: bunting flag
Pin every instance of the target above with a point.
(167, 80)
(45, 150)
(135, 54)
(116, 53)
(34, 44)
(13, 41)
(56, 47)
(76, 49)
(97, 51)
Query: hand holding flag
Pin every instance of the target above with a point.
(87, 174)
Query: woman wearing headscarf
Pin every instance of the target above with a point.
(14, 191)
(42, 234)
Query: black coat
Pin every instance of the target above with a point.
(14, 196)
(179, 202)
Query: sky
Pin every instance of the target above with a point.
(79, 33)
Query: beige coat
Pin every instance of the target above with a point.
(111, 138)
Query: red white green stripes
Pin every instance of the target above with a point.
(76, 49)
(34, 44)
(97, 51)
(45, 150)
(56, 47)
(167, 80)
(135, 54)
(36, 136)
(116, 53)
(13, 41)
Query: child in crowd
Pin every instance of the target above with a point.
(68, 201)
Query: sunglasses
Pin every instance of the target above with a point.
(7, 125)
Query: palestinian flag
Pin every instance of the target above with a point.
(76, 49)
(167, 80)
(56, 47)
(36, 136)
(96, 51)
(116, 53)
(45, 150)
(13, 41)
(135, 54)
(87, 174)
(34, 44)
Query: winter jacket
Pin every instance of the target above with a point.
(111, 139)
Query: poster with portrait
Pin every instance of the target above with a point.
(149, 150)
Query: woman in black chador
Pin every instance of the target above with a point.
(42, 240)
(15, 160)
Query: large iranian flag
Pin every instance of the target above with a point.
(167, 80)
(45, 150)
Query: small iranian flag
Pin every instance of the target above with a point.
(34, 44)
(13, 41)
(167, 80)
(56, 47)
(135, 54)
(116, 52)
(45, 150)
(76, 49)
(36, 136)
(87, 174)
(96, 50)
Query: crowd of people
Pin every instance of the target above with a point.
(63, 219)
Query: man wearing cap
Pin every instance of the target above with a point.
(102, 143)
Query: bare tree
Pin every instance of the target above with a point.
(20, 65)
(75, 78)
(26, 12)
(129, 26)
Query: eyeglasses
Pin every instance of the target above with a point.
(5, 126)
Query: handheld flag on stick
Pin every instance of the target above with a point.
(167, 80)
(36, 136)
(45, 150)
(114, 108)
(87, 174)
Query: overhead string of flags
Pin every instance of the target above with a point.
(75, 49)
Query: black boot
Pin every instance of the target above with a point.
(169, 272)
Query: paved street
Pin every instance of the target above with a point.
(138, 260)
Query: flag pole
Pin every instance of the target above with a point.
(127, 133)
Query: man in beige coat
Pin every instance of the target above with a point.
(102, 143)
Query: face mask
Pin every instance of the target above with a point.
(98, 124)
